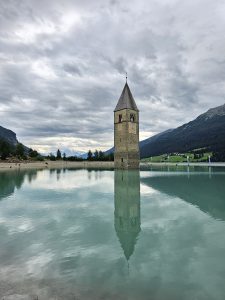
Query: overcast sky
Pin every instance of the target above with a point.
(63, 64)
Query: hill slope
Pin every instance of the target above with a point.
(207, 130)
(8, 135)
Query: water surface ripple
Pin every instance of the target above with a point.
(94, 234)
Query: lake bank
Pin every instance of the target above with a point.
(92, 164)
(57, 165)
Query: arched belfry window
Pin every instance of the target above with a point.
(120, 118)
(132, 117)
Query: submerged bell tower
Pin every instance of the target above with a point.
(126, 132)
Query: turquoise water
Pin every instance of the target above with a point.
(79, 234)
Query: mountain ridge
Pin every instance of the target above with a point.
(8, 135)
(205, 131)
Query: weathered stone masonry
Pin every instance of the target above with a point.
(126, 132)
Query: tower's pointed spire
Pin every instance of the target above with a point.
(126, 99)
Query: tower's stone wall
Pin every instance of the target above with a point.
(126, 139)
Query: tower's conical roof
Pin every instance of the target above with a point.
(126, 100)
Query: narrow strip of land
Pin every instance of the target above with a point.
(94, 164)
(57, 164)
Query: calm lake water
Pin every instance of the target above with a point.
(79, 234)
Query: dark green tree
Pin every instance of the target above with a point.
(96, 155)
(58, 154)
(101, 156)
(5, 149)
(33, 153)
(19, 150)
(52, 157)
(64, 156)
(111, 156)
(90, 155)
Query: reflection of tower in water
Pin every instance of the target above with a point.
(127, 209)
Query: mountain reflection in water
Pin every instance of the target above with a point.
(9, 181)
(206, 191)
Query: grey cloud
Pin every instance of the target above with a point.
(72, 69)
(63, 65)
(120, 65)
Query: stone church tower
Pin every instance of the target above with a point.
(126, 132)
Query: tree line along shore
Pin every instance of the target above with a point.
(18, 153)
